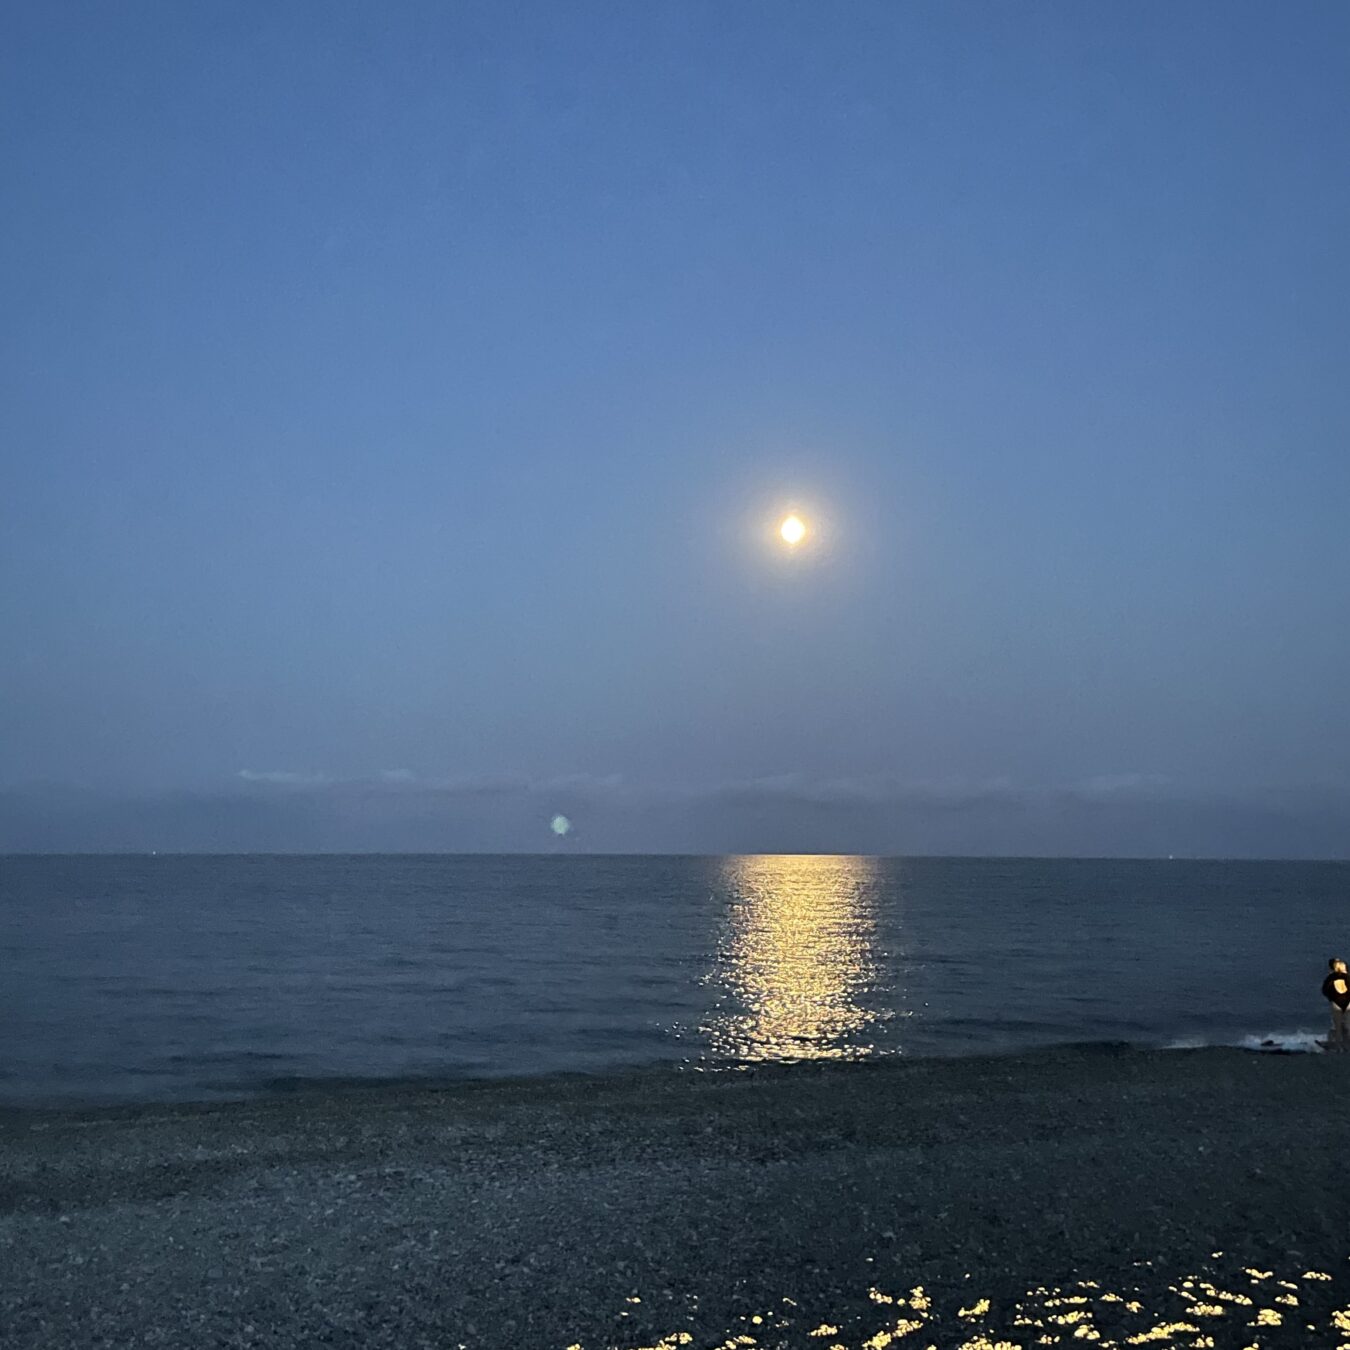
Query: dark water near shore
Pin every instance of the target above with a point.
(191, 977)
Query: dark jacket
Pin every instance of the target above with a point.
(1336, 988)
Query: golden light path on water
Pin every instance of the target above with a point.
(797, 959)
(1238, 1308)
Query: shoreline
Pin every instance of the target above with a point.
(290, 1088)
(626, 1209)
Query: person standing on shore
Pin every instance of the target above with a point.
(1336, 990)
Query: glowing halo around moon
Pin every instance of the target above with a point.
(793, 530)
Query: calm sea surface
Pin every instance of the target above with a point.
(194, 977)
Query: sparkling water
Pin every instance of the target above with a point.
(138, 977)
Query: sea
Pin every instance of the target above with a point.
(181, 978)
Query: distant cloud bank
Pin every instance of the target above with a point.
(1126, 814)
(284, 778)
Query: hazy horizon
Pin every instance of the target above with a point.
(1117, 819)
(636, 853)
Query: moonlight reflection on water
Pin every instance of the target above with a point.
(797, 961)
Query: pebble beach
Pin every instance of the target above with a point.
(1096, 1194)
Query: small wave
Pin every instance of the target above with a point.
(1274, 1042)
(1286, 1042)
(228, 1057)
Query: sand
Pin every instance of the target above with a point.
(1064, 1197)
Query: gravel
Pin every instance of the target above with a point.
(1095, 1194)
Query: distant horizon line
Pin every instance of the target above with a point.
(638, 853)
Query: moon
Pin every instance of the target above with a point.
(792, 530)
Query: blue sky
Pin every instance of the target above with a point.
(403, 390)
